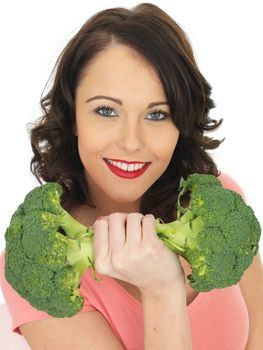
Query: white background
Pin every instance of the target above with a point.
(227, 40)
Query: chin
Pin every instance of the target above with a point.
(126, 198)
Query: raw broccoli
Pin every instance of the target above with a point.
(47, 250)
(217, 233)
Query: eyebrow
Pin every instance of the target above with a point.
(152, 104)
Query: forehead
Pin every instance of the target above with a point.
(122, 67)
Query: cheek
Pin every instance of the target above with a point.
(91, 146)
(85, 141)
(167, 144)
(88, 137)
(87, 145)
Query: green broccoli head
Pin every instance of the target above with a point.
(217, 233)
(47, 252)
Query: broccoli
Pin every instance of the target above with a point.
(47, 250)
(217, 233)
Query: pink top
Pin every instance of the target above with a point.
(218, 319)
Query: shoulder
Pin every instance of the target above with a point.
(231, 184)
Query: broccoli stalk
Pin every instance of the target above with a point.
(47, 250)
(79, 253)
(181, 234)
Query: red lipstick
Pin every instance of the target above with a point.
(127, 174)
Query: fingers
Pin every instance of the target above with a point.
(119, 237)
(117, 231)
(134, 229)
(108, 241)
(148, 229)
(101, 239)
(109, 235)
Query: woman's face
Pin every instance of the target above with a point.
(122, 125)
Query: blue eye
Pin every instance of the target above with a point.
(106, 111)
(157, 113)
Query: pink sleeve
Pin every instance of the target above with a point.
(19, 308)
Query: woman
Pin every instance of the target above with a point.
(126, 117)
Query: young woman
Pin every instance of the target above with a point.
(126, 117)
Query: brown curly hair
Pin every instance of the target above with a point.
(157, 38)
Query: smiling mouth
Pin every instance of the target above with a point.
(127, 174)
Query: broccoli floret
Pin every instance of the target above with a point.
(217, 233)
(47, 252)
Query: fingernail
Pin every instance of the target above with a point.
(100, 217)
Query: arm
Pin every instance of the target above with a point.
(166, 323)
(251, 286)
(131, 251)
(86, 330)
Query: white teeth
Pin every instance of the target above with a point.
(126, 167)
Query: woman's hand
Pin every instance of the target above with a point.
(127, 247)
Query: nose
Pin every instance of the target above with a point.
(130, 136)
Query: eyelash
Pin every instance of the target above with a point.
(166, 114)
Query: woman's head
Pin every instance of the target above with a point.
(161, 45)
(121, 111)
